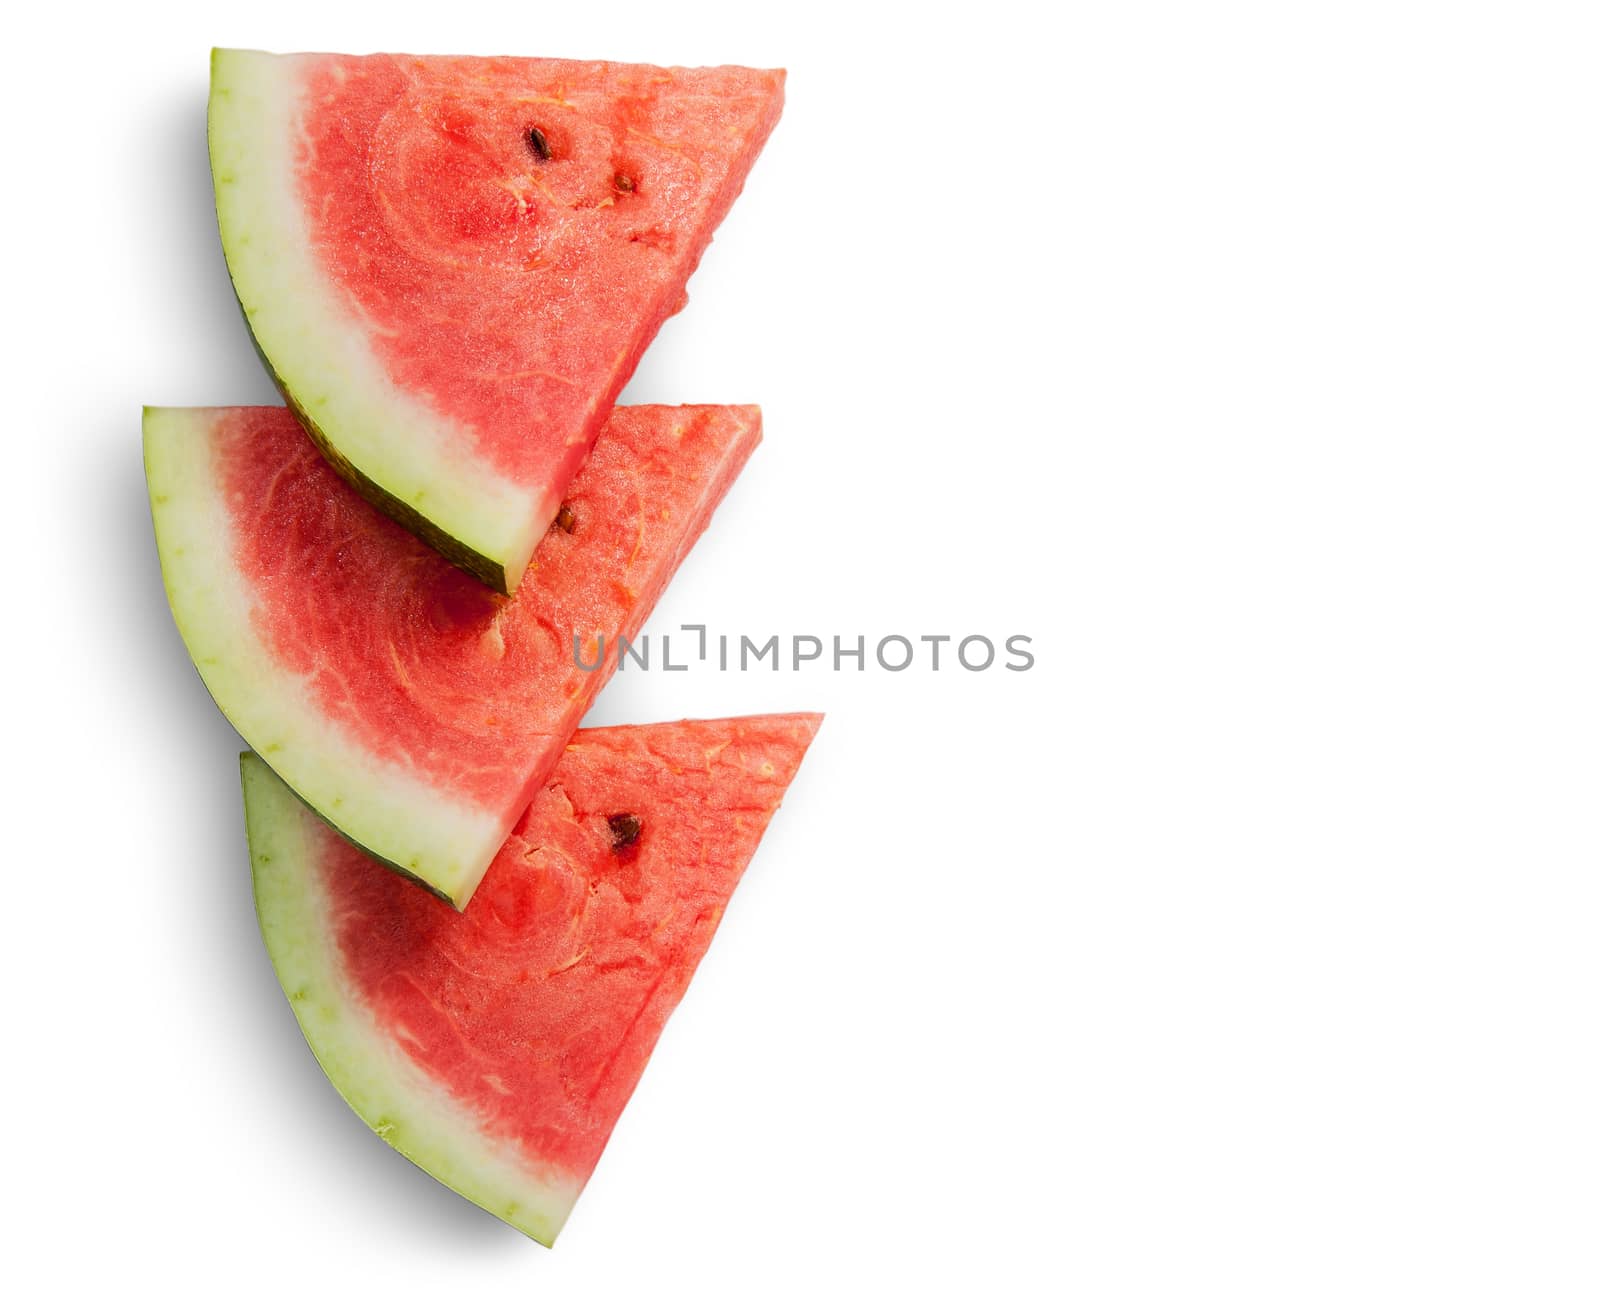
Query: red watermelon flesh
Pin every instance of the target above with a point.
(452, 265)
(413, 708)
(497, 1048)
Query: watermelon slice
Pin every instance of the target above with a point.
(452, 265)
(410, 706)
(496, 1049)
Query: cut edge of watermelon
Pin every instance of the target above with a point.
(383, 808)
(419, 1118)
(436, 487)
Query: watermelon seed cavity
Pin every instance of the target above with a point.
(624, 183)
(567, 520)
(624, 830)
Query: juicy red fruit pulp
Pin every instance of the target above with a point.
(516, 291)
(420, 662)
(538, 1008)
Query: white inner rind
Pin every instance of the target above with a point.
(316, 344)
(411, 1111)
(379, 805)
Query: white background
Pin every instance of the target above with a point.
(1244, 355)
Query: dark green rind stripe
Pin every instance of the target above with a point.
(490, 571)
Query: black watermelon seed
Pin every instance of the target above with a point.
(539, 144)
(625, 830)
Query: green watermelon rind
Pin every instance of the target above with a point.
(413, 466)
(413, 1114)
(384, 808)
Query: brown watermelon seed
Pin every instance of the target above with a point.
(539, 144)
(625, 829)
(624, 183)
(567, 520)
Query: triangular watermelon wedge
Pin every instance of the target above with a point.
(496, 1049)
(411, 707)
(452, 265)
